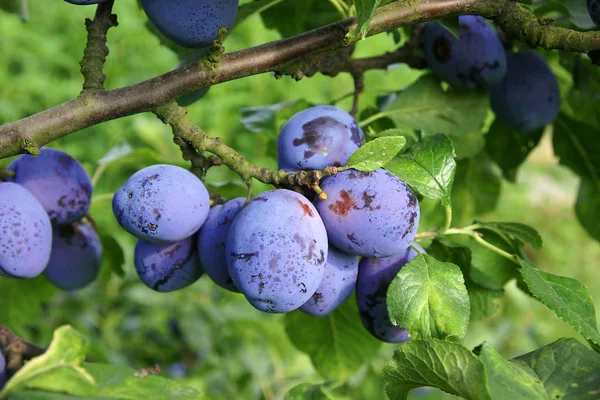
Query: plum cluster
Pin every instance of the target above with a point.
(282, 250)
(523, 90)
(42, 206)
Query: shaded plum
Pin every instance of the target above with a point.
(476, 60)
(168, 267)
(84, 2)
(593, 7)
(3, 377)
(318, 137)
(76, 256)
(337, 285)
(191, 23)
(58, 181)
(211, 242)
(374, 278)
(528, 97)
(276, 251)
(372, 214)
(25, 233)
(161, 203)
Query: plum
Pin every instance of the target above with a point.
(168, 267)
(593, 7)
(76, 256)
(276, 250)
(3, 376)
(337, 285)
(191, 23)
(374, 278)
(371, 214)
(84, 2)
(476, 60)
(528, 97)
(318, 137)
(162, 204)
(25, 233)
(211, 242)
(58, 181)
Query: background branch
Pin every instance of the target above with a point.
(16, 350)
(91, 108)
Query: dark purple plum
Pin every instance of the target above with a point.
(528, 97)
(162, 204)
(371, 214)
(593, 7)
(337, 285)
(58, 181)
(3, 376)
(211, 242)
(276, 250)
(318, 137)
(191, 23)
(76, 256)
(25, 233)
(374, 278)
(168, 267)
(84, 2)
(476, 60)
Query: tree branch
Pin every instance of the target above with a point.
(16, 350)
(89, 109)
(96, 50)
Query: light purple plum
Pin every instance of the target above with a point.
(318, 137)
(25, 233)
(211, 242)
(168, 267)
(162, 204)
(374, 278)
(76, 256)
(276, 250)
(370, 214)
(58, 181)
(339, 279)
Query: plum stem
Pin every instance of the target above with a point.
(16, 350)
(448, 218)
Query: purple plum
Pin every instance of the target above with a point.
(528, 97)
(593, 7)
(276, 250)
(162, 204)
(25, 233)
(76, 256)
(476, 60)
(371, 214)
(337, 285)
(374, 278)
(211, 242)
(168, 267)
(318, 137)
(84, 2)
(3, 377)
(58, 181)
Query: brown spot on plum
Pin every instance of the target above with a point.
(352, 238)
(157, 215)
(306, 208)
(302, 287)
(317, 297)
(61, 200)
(357, 137)
(243, 256)
(368, 199)
(344, 204)
(412, 198)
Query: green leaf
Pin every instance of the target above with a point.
(249, 9)
(476, 188)
(307, 15)
(337, 344)
(128, 384)
(429, 299)
(451, 24)
(484, 302)
(578, 12)
(18, 7)
(22, 301)
(308, 391)
(445, 365)
(587, 207)
(507, 380)
(568, 369)
(364, 13)
(376, 153)
(58, 369)
(428, 167)
(509, 147)
(119, 151)
(112, 256)
(262, 119)
(490, 269)
(426, 106)
(519, 232)
(568, 298)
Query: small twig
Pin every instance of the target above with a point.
(16, 350)
(359, 87)
(96, 50)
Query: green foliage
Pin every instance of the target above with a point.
(22, 301)
(376, 153)
(364, 14)
(429, 299)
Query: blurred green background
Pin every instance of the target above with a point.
(212, 339)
